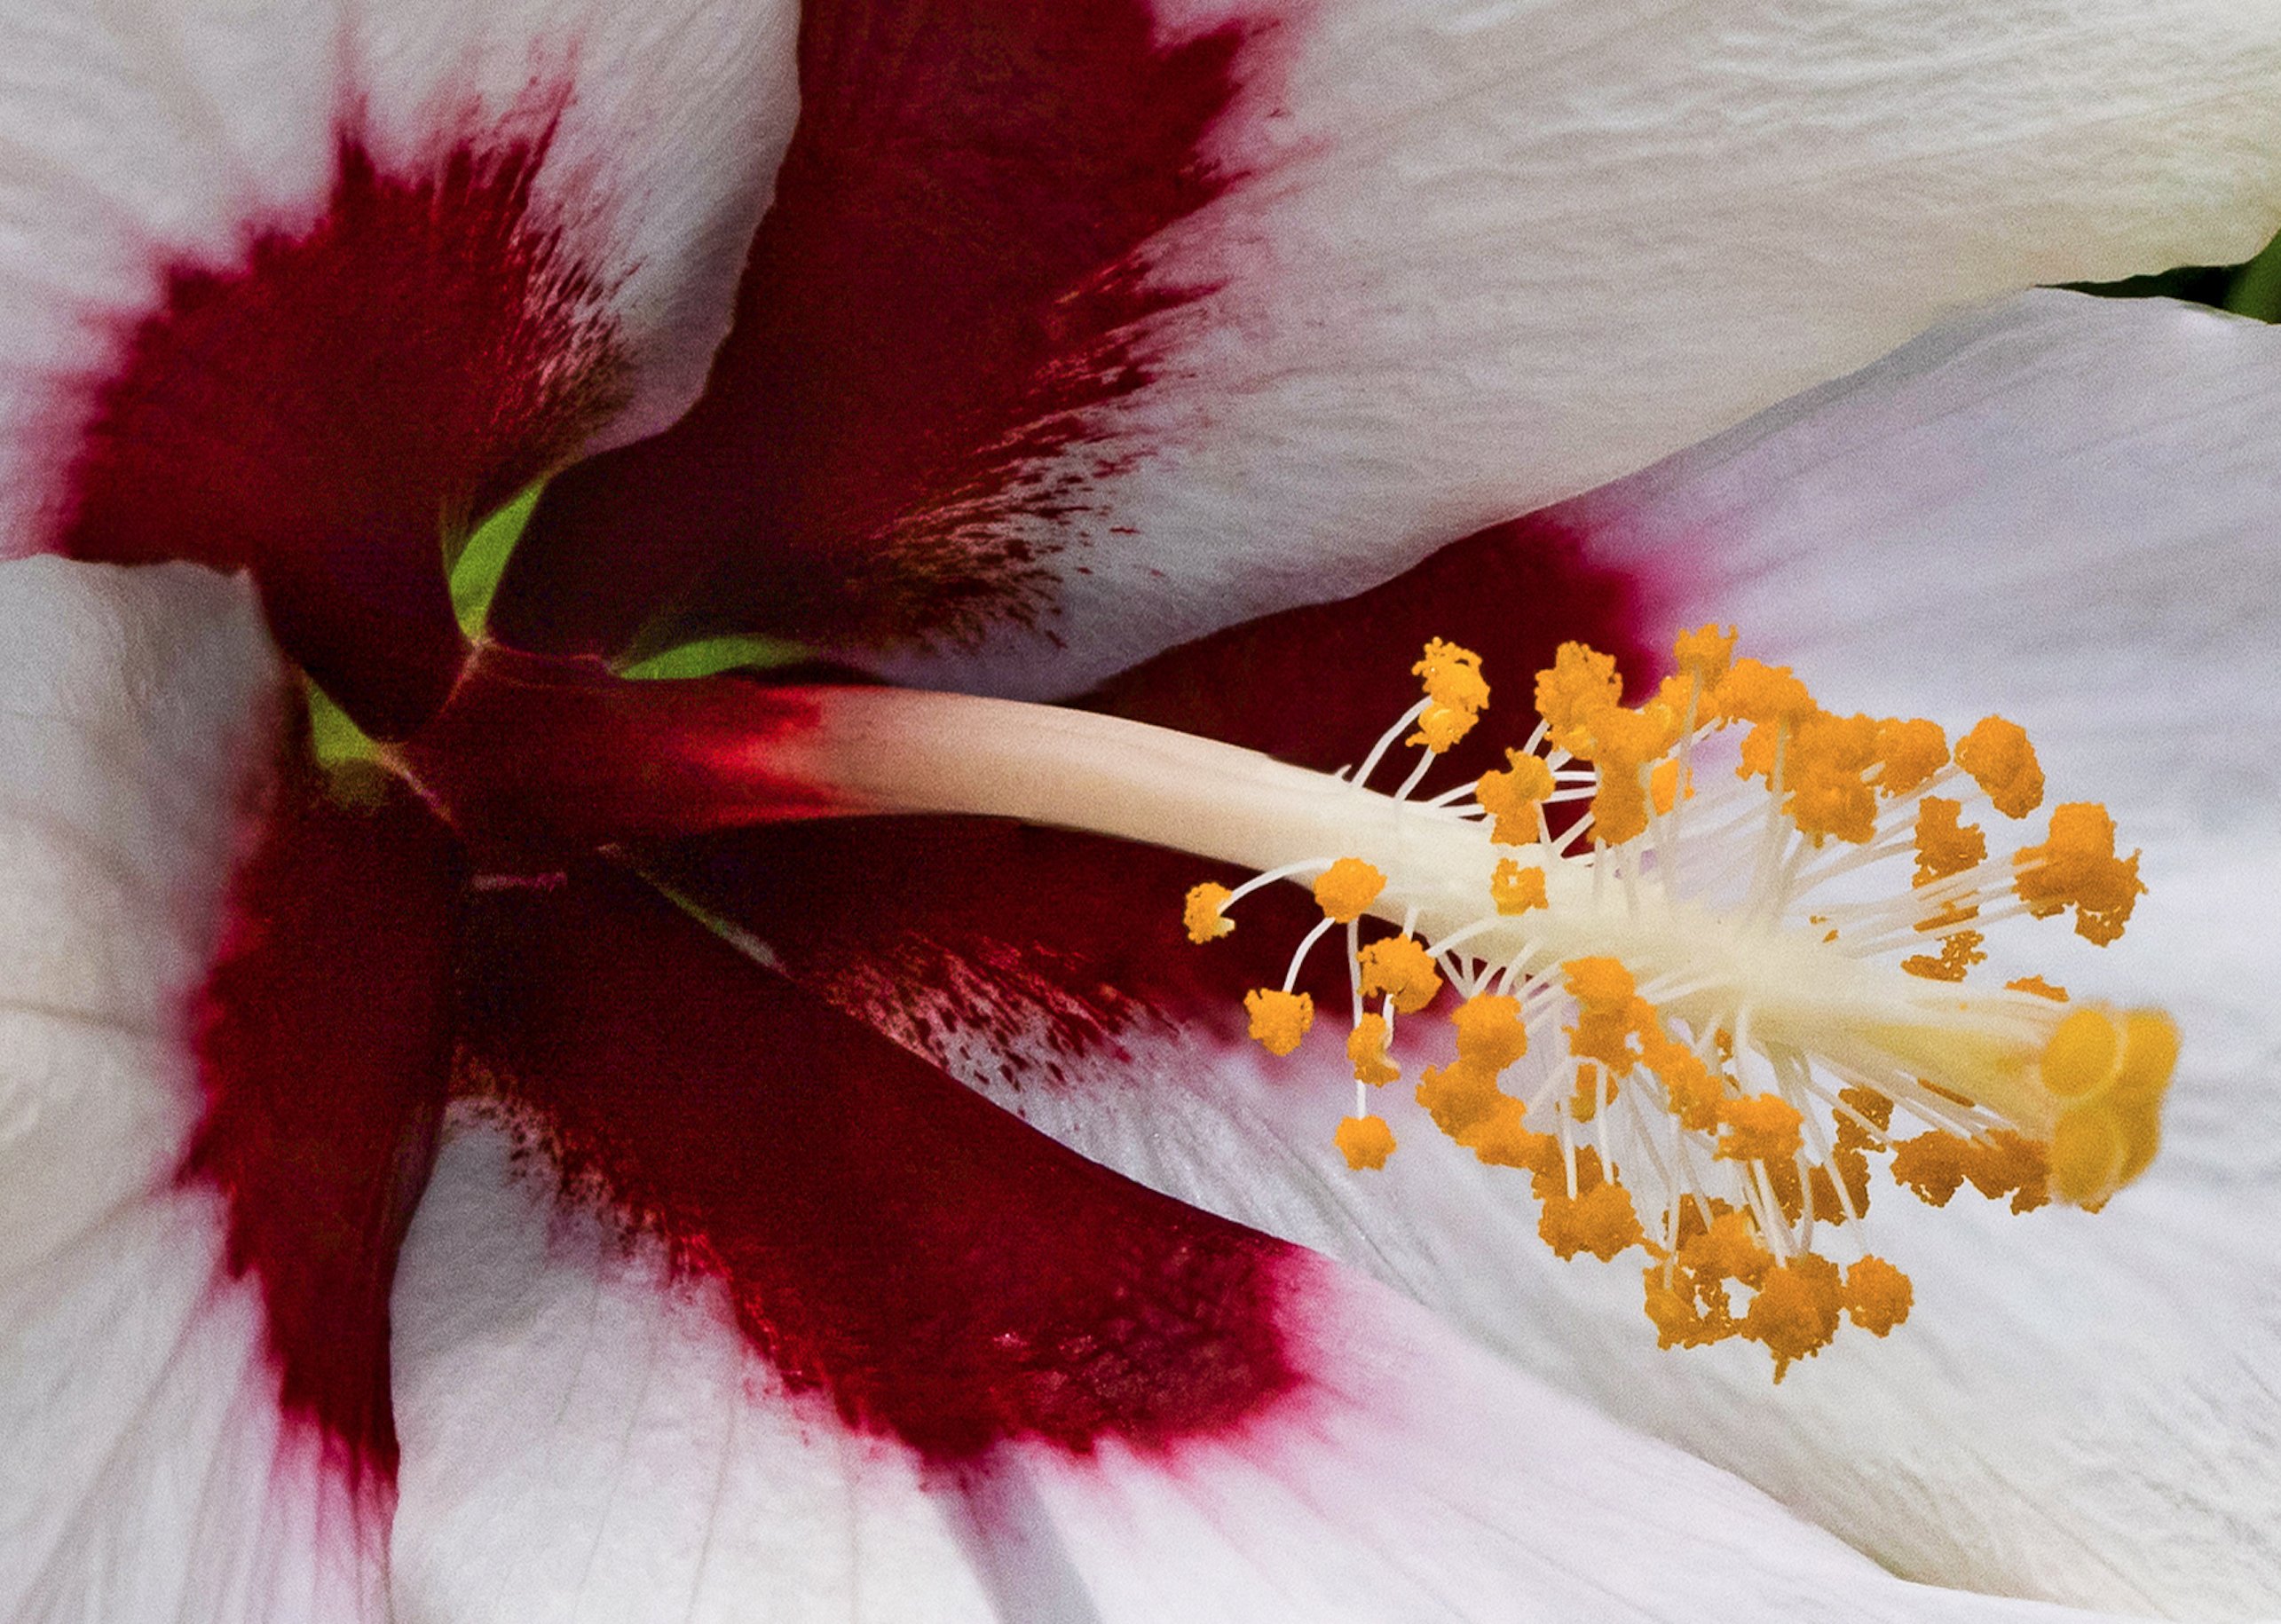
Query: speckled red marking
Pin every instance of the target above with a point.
(938, 290)
(327, 407)
(323, 1045)
(946, 1275)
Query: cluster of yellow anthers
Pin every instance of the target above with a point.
(1725, 1011)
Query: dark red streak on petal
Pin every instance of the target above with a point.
(323, 1047)
(938, 290)
(945, 1275)
(1082, 935)
(537, 760)
(330, 407)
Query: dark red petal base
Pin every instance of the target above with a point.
(323, 1045)
(330, 408)
(538, 760)
(946, 1276)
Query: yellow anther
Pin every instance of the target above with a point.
(1635, 737)
(1691, 1092)
(1602, 983)
(1516, 887)
(1279, 1019)
(1490, 1036)
(1679, 1324)
(1935, 1165)
(1202, 914)
(1796, 1312)
(1763, 1127)
(1460, 1098)
(1440, 726)
(1581, 687)
(1366, 1046)
(1960, 950)
(1878, 1295)
(1600, 1220)
(1512, 797)
(1944, 845)
(1607, 1011)
(1932, 1164)
(2002, 763)
(1619, 806)
(1455, 695)
(1592, 1084)
(1452, 676)
(1826, 777)
(1498, 1137)
(2040, 987)
(1577, 698)
(1912, 752)
(1868, 1104)
(2077, 867)
(1679, 694)
(1400, 968)
(1623, 745)
(1704, 654)
(1348, 887)
(1756, 692)
(1727, 1248)
(1365, 1141)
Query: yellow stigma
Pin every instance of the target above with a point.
(1712, 958)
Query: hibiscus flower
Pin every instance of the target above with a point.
(473, 1143)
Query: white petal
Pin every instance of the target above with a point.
(128, 707)
(1473, 258)
(148, 1473)
(586, 1435)
(138, 139)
